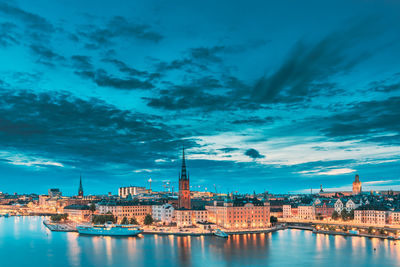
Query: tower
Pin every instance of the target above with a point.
(184, 189)
(80, 190)
(357, 185)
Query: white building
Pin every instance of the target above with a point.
(124, 192)
(339, 206)
(306, 212)
(352, 205)
(163, 213)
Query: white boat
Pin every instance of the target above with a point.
(109, 229)
(220, 233)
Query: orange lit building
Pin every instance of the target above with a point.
(125, 209)
(239, 214)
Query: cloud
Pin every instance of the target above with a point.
(117, 27)
(45, 55)
(85, 69)
(8, 36)
(390, 84)
(254, 154)
(307, 68)
(328, 172)
(368, 120)
(205, 93)
(34, 21)
(81, 132)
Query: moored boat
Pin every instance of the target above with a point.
(109, 229)
(220, 233)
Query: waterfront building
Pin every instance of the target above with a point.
(240, 213)
(184, 189)
(306, 212)
(290, 211)
(128, 209)
(80, 190)
(124, 192)
(372, 215)
(394, 217)
(164, 213)
(325, 209)
(357, 186)
(78, 212)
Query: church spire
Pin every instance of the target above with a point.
(80, 190)
(183, 171)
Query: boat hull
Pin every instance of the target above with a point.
(108, 232)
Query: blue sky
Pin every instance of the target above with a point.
(265, 95)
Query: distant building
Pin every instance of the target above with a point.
(184, 189)
(80, 190)
(54, 193)
(128, 209)
(357, 186)
(306, 212)
(78, 212)
(370, 214)
(325, 209)
(240, 213)
(163, 213)
(124, 192)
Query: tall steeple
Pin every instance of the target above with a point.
(80, 190)
(183, 175)
(184, 187)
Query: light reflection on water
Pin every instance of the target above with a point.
(25, 241)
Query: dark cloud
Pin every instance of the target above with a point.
(254, 154)
(33, 21)
(8, 36)
(368, 119)
(391, 84)
(45, 55)
(307, 68)
(85, 69)
(206, 93)
(117, 27)
(228, 149)
(74, 131)
(123, 67)
(255, 120)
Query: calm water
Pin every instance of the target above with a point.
(25, 241)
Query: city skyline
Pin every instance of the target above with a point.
(276, 98)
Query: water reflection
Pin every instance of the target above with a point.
(283, 248)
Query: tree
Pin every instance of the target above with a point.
(344, 214)
(92, 207)
(59, 217)
(148, 220)
(133, 221)
(273, 220)
(124, 221)
(102, 219)
(351, 215)
(335, 215)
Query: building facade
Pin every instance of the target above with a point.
(239, 214)
(124, 192)
(125, 209)
(164, 213)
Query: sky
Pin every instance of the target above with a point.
(278, 96)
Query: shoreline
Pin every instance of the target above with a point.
(70, 228)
